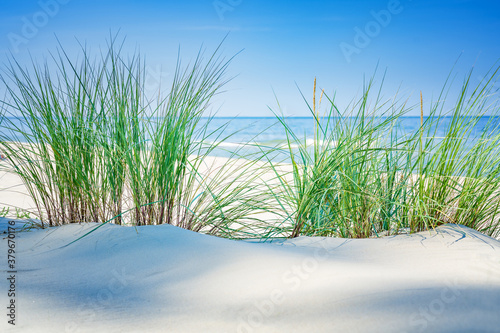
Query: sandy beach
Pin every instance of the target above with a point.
(166, 279)
(161, 278)
(250, 167)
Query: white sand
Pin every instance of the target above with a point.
(166, 279)
(13, 193)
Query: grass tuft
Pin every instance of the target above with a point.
(363, 177)
(94, 148)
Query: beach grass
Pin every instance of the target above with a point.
(96, 148)
(459, 173)
(362, 177)
(342, 183)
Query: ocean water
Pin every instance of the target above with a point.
(269, 131)
(247, 132)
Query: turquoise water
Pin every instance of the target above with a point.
(268, 131)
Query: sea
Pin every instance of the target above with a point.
(270, 132)
(246, 134)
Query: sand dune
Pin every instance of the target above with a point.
(166, 279)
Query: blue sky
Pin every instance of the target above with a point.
(285, 43)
